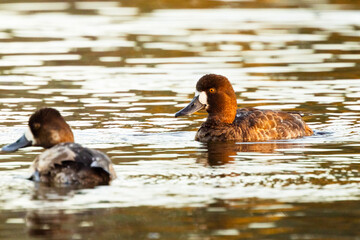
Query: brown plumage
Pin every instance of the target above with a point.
(49, 128)
(64, 162)
(72, 164)
(226, 123)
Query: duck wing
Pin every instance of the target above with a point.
(261, 125)
(73, 157)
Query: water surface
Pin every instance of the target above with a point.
(119, 70)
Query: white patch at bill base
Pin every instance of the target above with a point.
(29, 136)
(203, 97)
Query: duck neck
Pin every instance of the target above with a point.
(222, 114)
(217, 118)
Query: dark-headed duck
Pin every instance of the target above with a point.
(227, 123)
(64, 162)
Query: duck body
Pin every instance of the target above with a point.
(63, 162)
(72, 164)
(227, 123)
(255, 125)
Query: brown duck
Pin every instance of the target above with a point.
(227, 123)
(64, 162)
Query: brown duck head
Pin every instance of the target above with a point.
(46, 129)
(217, 96)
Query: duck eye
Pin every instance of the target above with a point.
(212, 90)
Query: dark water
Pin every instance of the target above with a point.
(119, 70)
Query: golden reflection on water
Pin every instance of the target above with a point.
(247, 219)
(119, 70)
(219, 153)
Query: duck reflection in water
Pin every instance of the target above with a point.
(48, 224)
(61, 224)
(220, 153)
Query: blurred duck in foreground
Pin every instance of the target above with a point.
(64, 162)
(227, 123)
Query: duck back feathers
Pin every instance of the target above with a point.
(255, 125)
(72, 164)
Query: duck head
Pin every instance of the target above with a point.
(46, 129)
(215, 94)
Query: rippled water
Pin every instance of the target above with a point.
(118, 71)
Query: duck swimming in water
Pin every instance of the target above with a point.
(225, 122)
(64, 162)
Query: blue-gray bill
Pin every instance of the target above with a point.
(20, 143)
(194, 106)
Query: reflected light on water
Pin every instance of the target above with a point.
(118, 71)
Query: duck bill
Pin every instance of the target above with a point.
(194, 106)
(20, 143)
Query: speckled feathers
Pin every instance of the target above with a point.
(254, 125)
(72, 164)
